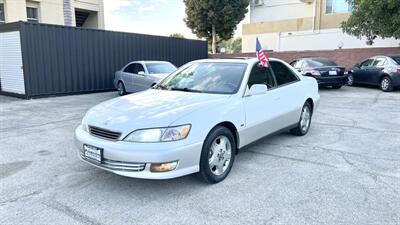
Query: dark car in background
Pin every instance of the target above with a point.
(383, 71)
(326, 71)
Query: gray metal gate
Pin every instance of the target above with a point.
(64, 60)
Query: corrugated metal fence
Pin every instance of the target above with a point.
(63, 60)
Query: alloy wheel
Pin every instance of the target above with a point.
(305, 119)
(385, 84)
(220, 155)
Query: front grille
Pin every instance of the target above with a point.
(127, 166)
(103, 133)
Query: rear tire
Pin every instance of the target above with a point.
(217, 155)
(386, 84)
(305, 121)
(121, 88)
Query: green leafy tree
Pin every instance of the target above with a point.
(374, 18)
(213, 19)
(177, 35)
(233, 45)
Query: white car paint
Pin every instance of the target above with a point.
(253, 116)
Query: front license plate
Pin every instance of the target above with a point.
(333, 73)
(92, 153)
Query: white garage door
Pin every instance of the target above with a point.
(11, 72)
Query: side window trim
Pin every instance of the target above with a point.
(289, 83)
(272, 73)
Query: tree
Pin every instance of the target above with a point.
(177, 35)
(373, 18)
(212, 19)
(233, 45)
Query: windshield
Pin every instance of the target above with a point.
(396, 58)
(155, 68)
(207, 77)
(320, 62)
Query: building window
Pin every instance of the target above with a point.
(32, 14)
(2, 17)
(337, 6)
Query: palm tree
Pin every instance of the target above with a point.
(69, 18)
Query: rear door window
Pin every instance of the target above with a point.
(283, 74)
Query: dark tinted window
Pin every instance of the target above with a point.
(320, 62)
(367, 62)
(1, 13)
(32, 14)
(138, 68)
(208, 77)
(261, 75)
(282, 73)
(396, 59)
(130, 68)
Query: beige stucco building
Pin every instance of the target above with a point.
(297, 25)
(85, 13)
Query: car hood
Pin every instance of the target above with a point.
(147, 109)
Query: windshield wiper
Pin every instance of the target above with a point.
(186, 90)
(160, 87)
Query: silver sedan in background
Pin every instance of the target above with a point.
(141, 75)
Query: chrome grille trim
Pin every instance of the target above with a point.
(116, 165)
(103, 133)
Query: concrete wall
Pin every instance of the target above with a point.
(345, 57)
(309, 40)
(51, 11)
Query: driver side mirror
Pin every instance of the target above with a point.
(141, 73)
(257, 89)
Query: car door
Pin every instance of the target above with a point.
(290, 95)
(376, 70)
(362, 73)
(127, 77)
(141, 81)
(260, 110)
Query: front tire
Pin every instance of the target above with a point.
(350, 80)
(386, 84)
(121, 89)
(305, 121)
(217, 155)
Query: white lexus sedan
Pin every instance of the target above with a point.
(196, 119)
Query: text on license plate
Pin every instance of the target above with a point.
(91, 152)
(333, 72)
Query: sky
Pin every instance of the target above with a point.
(157, 17)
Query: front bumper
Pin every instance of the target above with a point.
(331, 80)
(134, 159)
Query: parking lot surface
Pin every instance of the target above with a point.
(345, 171)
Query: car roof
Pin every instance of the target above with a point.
(236, 60)
(149, 61)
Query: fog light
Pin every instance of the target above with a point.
(163, 167)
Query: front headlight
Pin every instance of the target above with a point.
(84, 124)
(159, 134)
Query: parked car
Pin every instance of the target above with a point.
(379, 70)
(141, 75)
(196, 119)
(325, 70)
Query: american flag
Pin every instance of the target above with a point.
(262, 57)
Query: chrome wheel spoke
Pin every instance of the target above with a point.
(220, 155)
